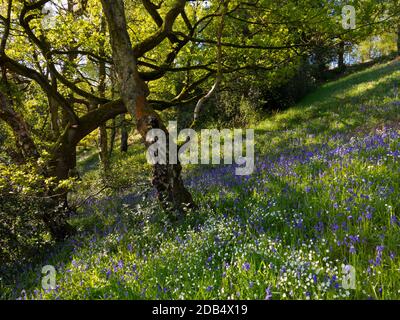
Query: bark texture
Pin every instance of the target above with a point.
(103, 136)
(134, 91)
(398, 40)
(124, 135)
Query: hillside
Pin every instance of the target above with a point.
(324, 196)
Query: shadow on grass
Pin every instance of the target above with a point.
(335, 110)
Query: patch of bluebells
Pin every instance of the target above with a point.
(297, 244)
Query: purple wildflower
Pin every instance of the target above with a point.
(120, 264)
(268, 294)
(246, 266)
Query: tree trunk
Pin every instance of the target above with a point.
(103, 137)
(341, 51)
(114, 120)
(218, 79)
(320, 62)
(55, 201)
(20, 129)
(112, 138)
(124, 134)
(56, 215)
(166, 177)
(398, 40)
(53, 109)
(134, 91)
(103, 149)
(62, 166)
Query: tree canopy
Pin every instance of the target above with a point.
(70, 67)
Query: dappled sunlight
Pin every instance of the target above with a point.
(199, 150)
(336, 110)
(321, 196)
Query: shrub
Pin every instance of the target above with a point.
(22, 231)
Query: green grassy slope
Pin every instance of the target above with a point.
(324, 196)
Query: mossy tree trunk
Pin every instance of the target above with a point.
(134, 91)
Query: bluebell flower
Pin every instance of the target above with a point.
(120, 264)
(268, 294)
(246, 266)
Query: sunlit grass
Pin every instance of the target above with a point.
(325, 194)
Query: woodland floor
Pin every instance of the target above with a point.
(325, 194)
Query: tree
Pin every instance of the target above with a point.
(398, 40)
(165, 55)
(134, 91)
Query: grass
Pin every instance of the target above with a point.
(324, 196)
